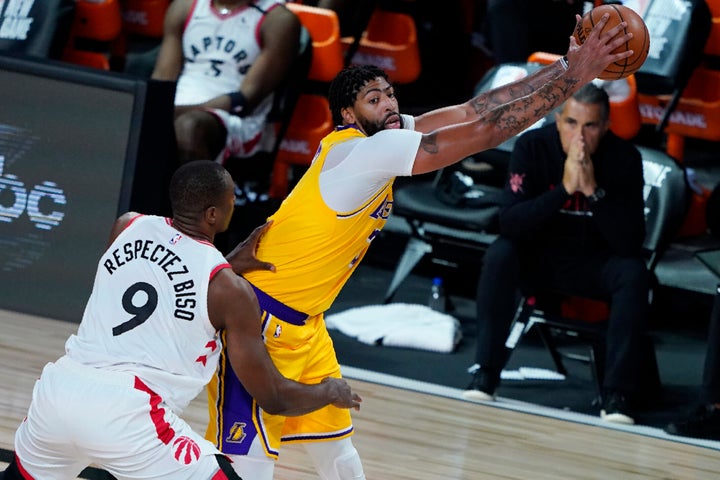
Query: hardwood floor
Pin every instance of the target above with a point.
(405, 434)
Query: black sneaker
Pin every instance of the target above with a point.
(615, 408)
(482, 386)
(703, 422)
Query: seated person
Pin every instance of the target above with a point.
(703, 421)
(227, 57)
(572, 221)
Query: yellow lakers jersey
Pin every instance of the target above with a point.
(314, 248)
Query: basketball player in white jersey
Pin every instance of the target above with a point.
(227, 57)
(148, 343)
(323, 229)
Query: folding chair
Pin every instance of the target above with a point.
(135, 49)
(390, 42)
(437, 228)
(95, 26)
(311, 119)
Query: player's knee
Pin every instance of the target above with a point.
(336, 460)
(348, 466)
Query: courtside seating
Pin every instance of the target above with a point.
(136, 48)
(678, 89)
(667, 196)
(324, 28)
(679, 85)
(95, 26)
(390, 42)
(311, 120)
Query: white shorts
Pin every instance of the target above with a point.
(245, 135)
(80, 416)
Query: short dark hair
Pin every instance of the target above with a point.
(592, 94)
(197, 185)
(346, 85)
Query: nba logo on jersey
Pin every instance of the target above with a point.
(278, 331)
(185, 450)
(175, 239)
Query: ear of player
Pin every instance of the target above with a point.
(639, 44)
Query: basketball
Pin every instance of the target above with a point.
(639, 44)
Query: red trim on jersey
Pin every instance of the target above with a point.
(252, 143)
(22, 470)
(165, 433)
(190, 14)
(219, 475)
(218, 268)
(233, 11)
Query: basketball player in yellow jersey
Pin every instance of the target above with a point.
(324, 227)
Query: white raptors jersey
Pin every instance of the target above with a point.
(219, 50)
(147, 314)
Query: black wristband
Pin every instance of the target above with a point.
(238, 103)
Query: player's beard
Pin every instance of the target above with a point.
(371, 128)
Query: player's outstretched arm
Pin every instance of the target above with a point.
(233, 307)
(447, 145)
(485, 101)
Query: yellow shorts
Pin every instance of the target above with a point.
(302, 350)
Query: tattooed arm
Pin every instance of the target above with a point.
(485, 101)
(491, 124)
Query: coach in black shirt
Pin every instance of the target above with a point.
(573, 221)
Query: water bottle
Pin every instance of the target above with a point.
(437, 295)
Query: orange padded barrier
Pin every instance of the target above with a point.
(697, 114)
(97, 20)
(544, 58)
(712, 47)
(310, 122)
(144, 17)
(86, 59)
(390, 42)
(324, 28)
(625, 121)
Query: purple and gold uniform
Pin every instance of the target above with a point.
(315, 249)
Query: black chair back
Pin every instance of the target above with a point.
(42, 31)
(667, 199)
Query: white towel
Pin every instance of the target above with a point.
(399, 325)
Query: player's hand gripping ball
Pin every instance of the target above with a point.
(639, 44)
